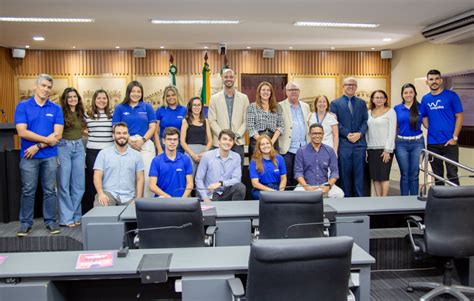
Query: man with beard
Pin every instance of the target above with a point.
(228, 110)
(443, 116)
(118, 171)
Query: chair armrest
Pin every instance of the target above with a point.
(326, 225)
(236, 287)
(211, 230)
(414, 219)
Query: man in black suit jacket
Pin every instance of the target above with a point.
(352, 116)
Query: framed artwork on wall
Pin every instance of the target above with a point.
(153, 87)
(312, 86)
(114, 85)
(25, 87)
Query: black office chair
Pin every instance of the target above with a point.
(171, 223)
(297, 269)
(448, 233)
(290, 214)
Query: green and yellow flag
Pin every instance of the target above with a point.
(206, 82)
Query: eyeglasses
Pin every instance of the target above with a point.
(350, 85)
(292, 90)
(317, 134)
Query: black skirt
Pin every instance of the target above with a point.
(379, 171)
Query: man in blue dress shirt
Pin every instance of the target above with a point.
(352, 116)
(314, 162)
(171, 172)
(219, 174)
(443, 116)
(39, 123)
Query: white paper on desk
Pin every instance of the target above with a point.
(206, 207)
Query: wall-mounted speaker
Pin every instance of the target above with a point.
(139, 52)
(18, 53)
(268, 53)
(386, 54)
(222, 49)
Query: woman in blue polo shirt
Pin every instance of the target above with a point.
(71, 157)
(141, 122)
(170, 114)
(409, 142)
(267, 168)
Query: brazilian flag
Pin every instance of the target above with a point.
(206, 83)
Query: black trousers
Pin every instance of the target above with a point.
(290, 170)
(235, 192)
(89, 194)
(450, 152)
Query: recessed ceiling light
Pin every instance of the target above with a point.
(290, 47)
(387, 39)
(335, 24)
(194, 22)
(117, 47)
(73, 47)
(27, 46)
(38, 38)
(205, 47)
(372, 48)
(46, 20)
(162, 47)
(332, 48)
(248, 47)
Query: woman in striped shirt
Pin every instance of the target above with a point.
(99, 129)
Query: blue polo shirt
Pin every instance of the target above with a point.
(137, 118)
(171, 174)
(169, 117)
(40, 120)
(271, 173)
(441, 111)
(403, 121)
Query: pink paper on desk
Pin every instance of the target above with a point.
(95, 260)
(206, 207)
(2, 259)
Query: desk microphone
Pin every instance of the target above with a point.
(357, 221)
(123, 251)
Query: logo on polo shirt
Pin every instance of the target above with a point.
(180, 117)
(435, 105)
(179, 169)
(126, 113)
(49, 115)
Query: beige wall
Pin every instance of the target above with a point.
(414, 61)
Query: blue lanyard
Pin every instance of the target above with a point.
(317, 117)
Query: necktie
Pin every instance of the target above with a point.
(349, 104)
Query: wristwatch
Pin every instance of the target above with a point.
(39, 145)
(143, 139)
(455, 138)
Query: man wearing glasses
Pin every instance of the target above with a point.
(352, 116)
(316, 165)
(295, 114)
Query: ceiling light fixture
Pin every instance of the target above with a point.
(38, 38)
(387, 39)
(117, 47)
(335, 24)
(46, 20)
(194, 22)
(205, 47)
(291, 47)
(162, 47)
(372, 48)
(73, 47)
(332, 48)
(27, 46)
(248, 47)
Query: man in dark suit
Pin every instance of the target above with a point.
(352, 116)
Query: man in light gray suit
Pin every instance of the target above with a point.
(294, 136)
(228, 110)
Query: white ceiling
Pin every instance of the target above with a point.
(264, 23)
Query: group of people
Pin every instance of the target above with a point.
(133, 151)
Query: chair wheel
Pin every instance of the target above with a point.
(409, 289)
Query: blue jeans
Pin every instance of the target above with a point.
(30, 170)
(408, 153)
(71, 180)
(256, 192)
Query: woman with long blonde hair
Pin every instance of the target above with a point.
(267, 168)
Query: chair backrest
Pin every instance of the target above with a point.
(282, 213)
(449, 221)
(300, 269)
(174, 212)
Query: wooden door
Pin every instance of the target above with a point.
(250, 82)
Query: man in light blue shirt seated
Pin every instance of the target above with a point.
(316, 165)
(219, 173)
(171, 172)
(118, 171)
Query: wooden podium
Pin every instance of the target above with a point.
(7, 131)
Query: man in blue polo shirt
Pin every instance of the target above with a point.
(443, 116)
(39, 123)
(171, 172)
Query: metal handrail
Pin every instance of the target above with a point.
(426, 157)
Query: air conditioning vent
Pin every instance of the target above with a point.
(452, 30)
